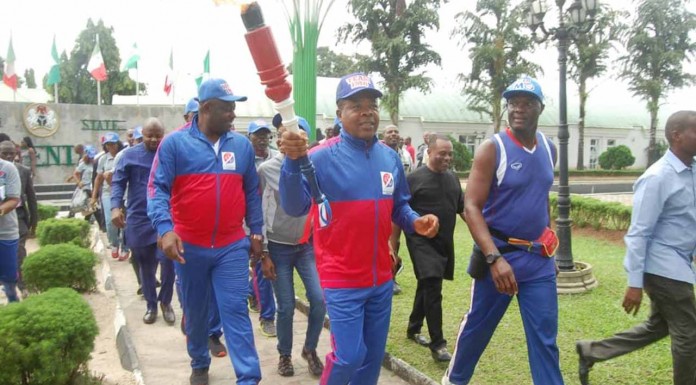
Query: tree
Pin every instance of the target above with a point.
(587, 59)
(495, 39)
(335, 65)
(77, 85)
(397, 35)
(29, 76)
(658, 44)
(616, 158)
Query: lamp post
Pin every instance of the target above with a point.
(581, 15)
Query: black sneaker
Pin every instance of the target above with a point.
(314, 363)
(217, 349)
(199, 376)
(285, 367)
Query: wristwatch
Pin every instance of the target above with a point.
(256, 237)
(492, 257)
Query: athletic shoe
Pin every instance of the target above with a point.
(199, 376)
(217, 349)
(268, 327)
(253, 304)
(285, 367)
(314, 363)
(114, 252)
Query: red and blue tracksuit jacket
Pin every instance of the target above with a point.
(202, 196)
(365, 185)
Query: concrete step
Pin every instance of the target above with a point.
(54, 195)
(50, 187)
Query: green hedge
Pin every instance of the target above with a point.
(46, 211)
(595, 213)
(63, 265)
(70, 230)
(47, 339)
(603, 173)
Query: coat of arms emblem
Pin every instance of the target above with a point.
(41, 120)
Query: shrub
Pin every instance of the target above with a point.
(55, 231)
(462, 156)
(595, 213)
(63, 265)
(616, 158)
(46, 339)
(47, 211)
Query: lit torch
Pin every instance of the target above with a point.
(273, 75)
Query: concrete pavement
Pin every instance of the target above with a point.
(157, 353)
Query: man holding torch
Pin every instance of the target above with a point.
(364, 182)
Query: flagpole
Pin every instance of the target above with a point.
(98, 93)
(137, 86)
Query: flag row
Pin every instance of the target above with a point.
(96, 67)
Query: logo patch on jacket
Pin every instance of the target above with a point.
(228, 161)
(516, 166)
(387, 183)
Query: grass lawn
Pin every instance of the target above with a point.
(594, 315)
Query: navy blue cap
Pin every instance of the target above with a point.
(524, 85)
(218, 89)
(257, 125)
(354, 83)
(191, 106)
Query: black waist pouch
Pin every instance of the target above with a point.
(478, 268)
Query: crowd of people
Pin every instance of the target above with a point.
(228, 219)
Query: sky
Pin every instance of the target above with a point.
(191, 27)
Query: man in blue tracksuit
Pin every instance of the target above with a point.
(364, 183)
(507, 196)
(203, 186)
(132, 172)
(216, 347)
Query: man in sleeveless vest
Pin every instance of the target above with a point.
(507, 196)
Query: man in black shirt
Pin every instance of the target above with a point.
(434, 190)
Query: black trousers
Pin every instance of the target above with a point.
(673, 313)
(428, 305)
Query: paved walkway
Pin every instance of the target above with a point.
(161, 348)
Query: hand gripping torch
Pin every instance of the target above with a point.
(273, 75)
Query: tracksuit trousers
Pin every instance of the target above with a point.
(226, 270)
(359, 327)
(538, 303)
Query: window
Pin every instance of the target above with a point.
(469, 141)
(594, 143)
(611, 143)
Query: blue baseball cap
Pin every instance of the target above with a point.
(138, 132)
(257, 125)
(524, 85)
(218, 89)
(110, 137)
(301, 122)
(90, 151)
(354, 83)
(191, 106)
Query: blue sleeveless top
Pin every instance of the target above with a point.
(518, 201)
